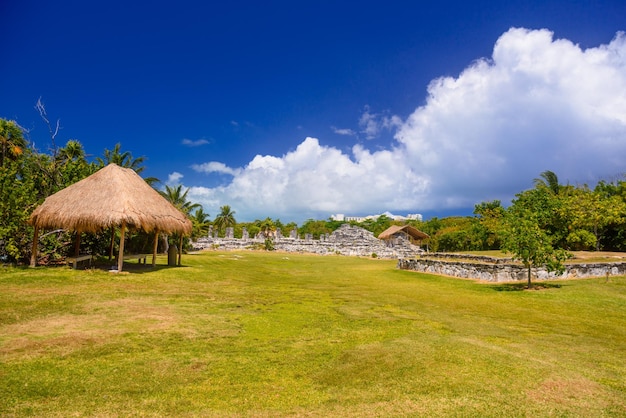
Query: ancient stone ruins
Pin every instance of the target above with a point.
(347, 240)
(355, 241)
(491, 269)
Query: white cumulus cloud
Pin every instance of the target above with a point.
(537, 104)
(214, 167)
(192, 143)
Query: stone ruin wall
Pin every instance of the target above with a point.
(502, 270)
(347, 240)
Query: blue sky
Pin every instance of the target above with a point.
(298, 110)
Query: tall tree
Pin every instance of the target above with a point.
(225, 218)
(18, 192)
(549, 180)
(201, 223)
(177, 197)
(124, 159)
(72, 163)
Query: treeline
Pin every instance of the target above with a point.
(555, 216)
(572, 217)
(28, 176)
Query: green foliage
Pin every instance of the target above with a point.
(457, 234)
(12, 142)
(201, 223)
(317, 227)
(523, 236)
(376, 226)
(28, 176)
(225, 219)
(17, 201)
(589, 213)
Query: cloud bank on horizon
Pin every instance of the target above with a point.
(537, 104)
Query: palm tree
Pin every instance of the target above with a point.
(178, 198)
(267, 226)
(124, 159)
(201, 223)
(225, 219)
(548, 180)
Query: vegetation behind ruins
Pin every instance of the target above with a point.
(566, 217)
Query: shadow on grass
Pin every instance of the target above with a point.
(518, 287)
(129, 267)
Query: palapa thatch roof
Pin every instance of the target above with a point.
(413, 232)
(113, 196)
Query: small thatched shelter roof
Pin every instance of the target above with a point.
(113, 196)
(394, 230)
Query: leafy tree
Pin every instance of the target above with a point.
(378, 225)
(614, 236)
(12, 142)
(490, 217)
(18, 198)
(287, 228)
(318, 227)
(548, 211)
(523, 236)
(225, 219)
(589, 213)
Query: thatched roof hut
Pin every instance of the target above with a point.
(407, 232)
(113, 196)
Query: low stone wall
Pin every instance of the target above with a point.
(505, 272)
(347, 240)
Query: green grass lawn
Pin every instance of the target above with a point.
(268, 334)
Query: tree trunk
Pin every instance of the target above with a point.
(529, 282)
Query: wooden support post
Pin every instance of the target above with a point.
(77, 244)
(112, 243)
(154, 248)
(120, 259)
(33, 254)
(180, 250)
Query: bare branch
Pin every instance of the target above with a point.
(41, 108)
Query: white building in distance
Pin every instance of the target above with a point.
(343, 218)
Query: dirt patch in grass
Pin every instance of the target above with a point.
(608, 255)
(567, 393)
(97, 324)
